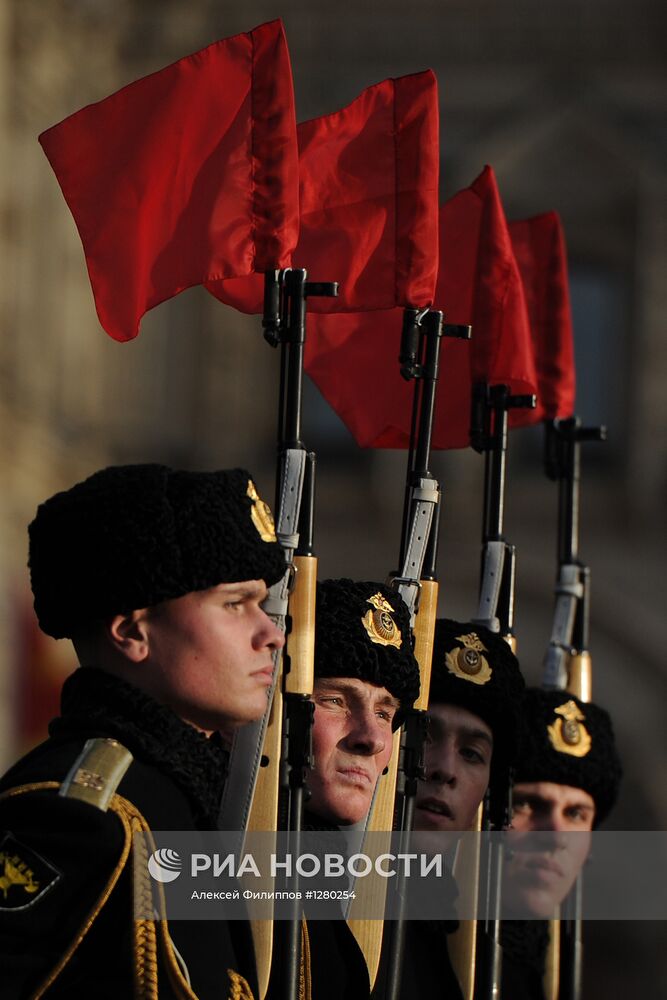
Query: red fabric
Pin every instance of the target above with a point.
(353, 359)
(539, 248)
(41, 665)
(185, 175)
(368, 192)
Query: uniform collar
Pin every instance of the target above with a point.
(99, 704)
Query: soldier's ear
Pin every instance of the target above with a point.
(128, 633)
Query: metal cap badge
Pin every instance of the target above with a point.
(261, 515)
(380, 626)
(568, 734)
(468, 662)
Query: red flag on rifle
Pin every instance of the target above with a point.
(353, 359)
(539, 248)
(368, 192)
(186, 175)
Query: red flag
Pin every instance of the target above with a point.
(539, 247)
(368, 192)
(353, 359)
(185, 175)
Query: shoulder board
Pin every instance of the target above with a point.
(97, 772)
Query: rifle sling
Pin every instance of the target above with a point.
(569, 591)
(424, 498)
(492, 576)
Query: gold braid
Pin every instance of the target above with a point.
(147, 930)
(145, 938)
(305, 981)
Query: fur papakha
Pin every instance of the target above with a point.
(343, 647)
(498, 700)
(597, 772)
(131, 536)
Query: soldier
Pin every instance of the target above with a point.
(365, 678)
(567, 780)
(158, 577)
(474, 717)
(474, 713)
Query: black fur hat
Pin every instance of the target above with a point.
(363, 631)
(476, 669)
(570, 742)
(131, 536)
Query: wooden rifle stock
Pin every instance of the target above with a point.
(424, 633)
(373, 891)
(462, 944)
(299, 679)
(580, 675)
(264, 817)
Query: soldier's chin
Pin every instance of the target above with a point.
(354, 810)
(342, 807)
(228, 720)
(434, 841)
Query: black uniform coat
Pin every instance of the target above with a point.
(524, 944)
(426, 969)
(71, 848)
(338, 968)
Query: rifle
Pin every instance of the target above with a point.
(273, 756)
(567, 663)
(416, 583)
(477, 955)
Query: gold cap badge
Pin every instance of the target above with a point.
(380, 626)
(567, 734)
(468, 662)
(261, 515)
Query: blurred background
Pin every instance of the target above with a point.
(567, 101)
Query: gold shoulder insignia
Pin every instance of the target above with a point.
(380, 626)
(467, 662)
(25, 876)
(261, 515)
(97, 772)
(568, 734)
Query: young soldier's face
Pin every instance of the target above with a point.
(541, 870)
(457, 760)
(210, 655)
(352, 743)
